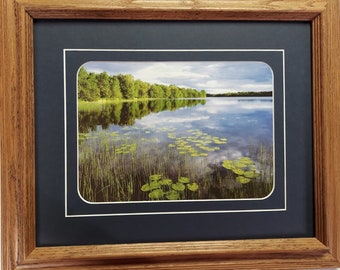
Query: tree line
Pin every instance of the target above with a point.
(95, 86)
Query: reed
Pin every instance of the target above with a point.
(117, 167)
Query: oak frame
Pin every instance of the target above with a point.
(18, 143)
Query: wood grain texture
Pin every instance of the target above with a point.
(330, 125)
(205, 5)
(297, 253)
(17, 136)
(17, 141)
(177, 10)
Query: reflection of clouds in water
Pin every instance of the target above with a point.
(191, 119)
(260, 106)
(228, 153)
(235, 105)
(241, 127)
(154, 120)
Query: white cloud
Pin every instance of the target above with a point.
(256, 87)
(168, 73)
(214, 77)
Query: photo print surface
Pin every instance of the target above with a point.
(175, 130)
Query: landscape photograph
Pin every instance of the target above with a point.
(170, 131)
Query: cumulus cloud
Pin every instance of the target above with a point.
(214, 77)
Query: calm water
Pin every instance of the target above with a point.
(201, 134)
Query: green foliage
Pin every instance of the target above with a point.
(126, 165)
(161, 188)
(127, 86)
(93, 86)
(155, 177)
(172, 195)
(244, 168)
(103, 81)
(151, 186)
(242, 179)
(197, 144)
(82, 83)
(142, 88)
(184, 180)
(193, 186)
(115, 92)
(228, 164)
(178, 186)
(166, 182)
(156, 194)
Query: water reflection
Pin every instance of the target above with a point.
(126, 113)
(184, 142)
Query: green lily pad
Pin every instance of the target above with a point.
(228, 164)
(151, 186)
(242, 179)
(238, 171)
(156, 194)
(246, 161)
(146, 187)
(166, 182)
(193, 186)
(155, 177)
(184, 180)
(251, 174)
(239, 165)
(172, 195)
(178, 186)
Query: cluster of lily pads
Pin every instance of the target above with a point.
(197, 144)
(126, 148)
(162, 188)
(243, 167)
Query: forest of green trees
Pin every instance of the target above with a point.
(94, 86)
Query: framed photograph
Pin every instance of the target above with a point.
(166, 138)
(169, 135)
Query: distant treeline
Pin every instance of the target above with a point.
(243, 94)
(94, 86)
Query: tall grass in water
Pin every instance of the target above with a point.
(113, 167)
(111, 170)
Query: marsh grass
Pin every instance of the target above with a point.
(115, 166)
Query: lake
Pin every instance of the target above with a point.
(185, 149)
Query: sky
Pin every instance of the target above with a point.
(213, 77)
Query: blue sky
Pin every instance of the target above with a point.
(214, 77)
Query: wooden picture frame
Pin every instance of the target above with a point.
(18, 230)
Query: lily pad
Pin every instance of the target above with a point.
(246, 161)
(172, 195)
(151, 186)
(240, 165)
(178, 186)
(184, 180)
(242, 179)
(166, 182)
(193, 186)
(238, 171)
(228, 164)
(251, 174)
(156, 194)
(155, 177)
(146, 187)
